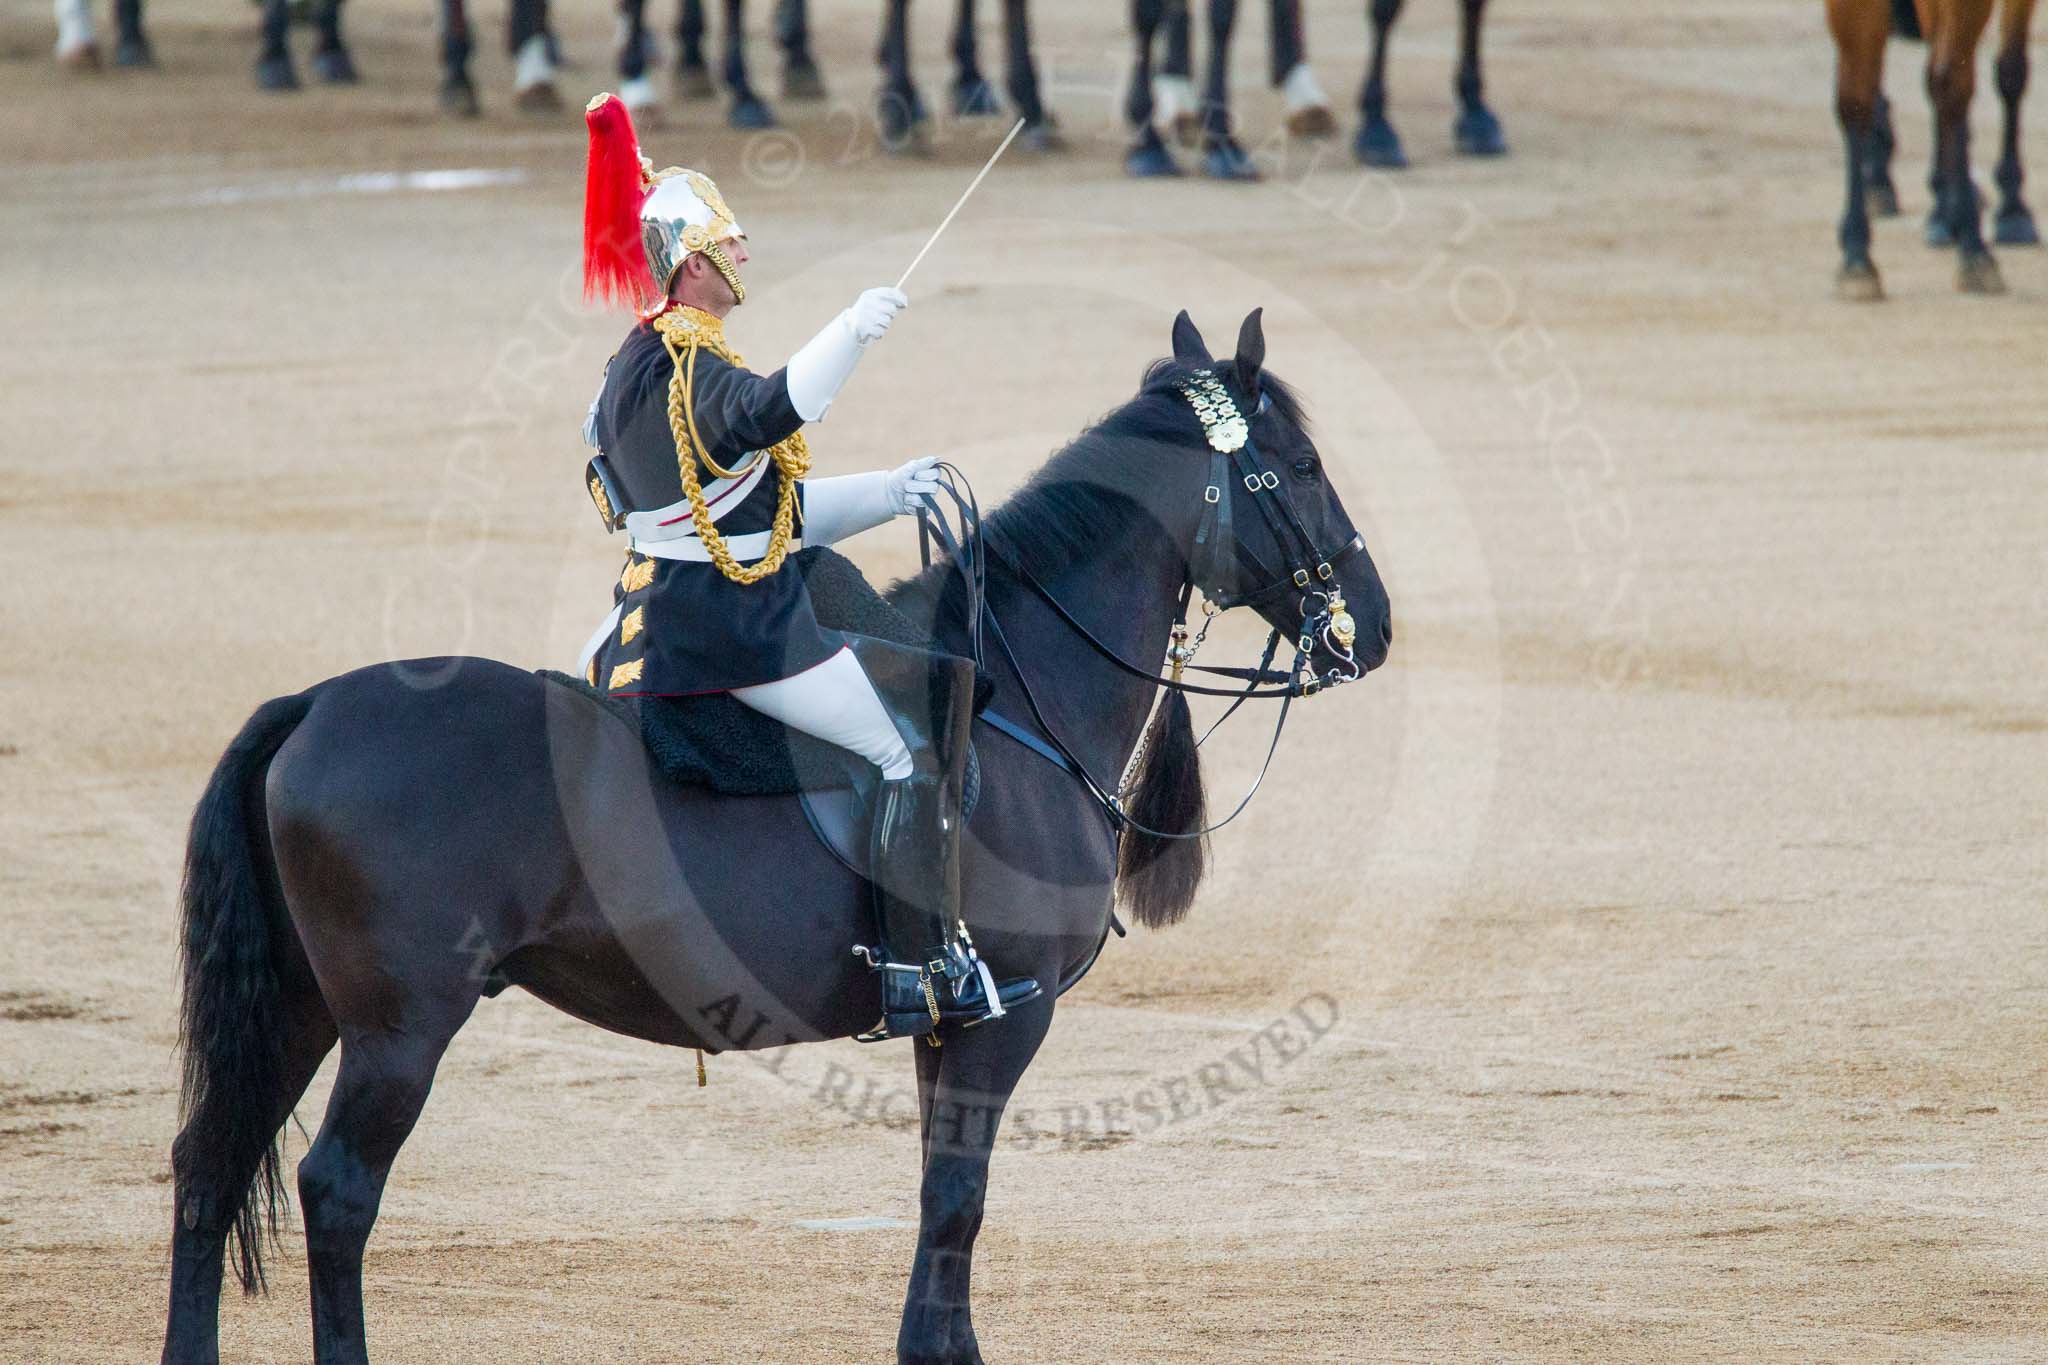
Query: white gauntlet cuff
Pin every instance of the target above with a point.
(846, 505)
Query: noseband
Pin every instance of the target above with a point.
(1213, 567)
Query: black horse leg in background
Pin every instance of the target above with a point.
(1022, 77)
(973, 96)
(131, 44)
(748, 109)
(526, 25)
(2014, 223)
(331, 61)
(899, 112)
(1288, 40)
(693, 77)
(1148, 155)
(1222, 157)
(963, 1089)
(1377, 144)
(1477, 132)
(274, 58)
(801, 79)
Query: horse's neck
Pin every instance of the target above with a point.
(1126, 599)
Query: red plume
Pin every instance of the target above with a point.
(614, 259)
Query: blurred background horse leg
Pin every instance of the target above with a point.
(2014, 222)
(458, 95)
(973, 96)
(693, 77)
(1377, 144)
(1173, 90)
(748, 110)
(1148, 155)
(899, 110)
(331, 60)
(636, 52)
(1954, 28)
(1860, 28)
(533, 57)
(1020, 79)
(78, 44)
(801, 79)
(1222, 157)
(1308, 108)
(1477, 132)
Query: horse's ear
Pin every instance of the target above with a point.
(1188, 346)
(1251, 351)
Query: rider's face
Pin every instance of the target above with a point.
(700, 285)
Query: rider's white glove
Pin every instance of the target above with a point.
(817, 373)
(873, 311)
(906, 482)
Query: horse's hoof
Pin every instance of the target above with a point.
(899, 119)
(1149, 159)
(802, 81)
(974, 97)
(750, 111)
(275, 73)
(694, 83)
(539, 98)
(1478, 133)
(459, 98)
(1979, 275)
(1881, 200)
(637, 93)
(79, 57)
(1043, 137)
(1859, 284)
(1377, 144)
(1187, 130)
(1227, 161)
(1314, 121)
(134, 52)
(335, 67)
(2015, 227)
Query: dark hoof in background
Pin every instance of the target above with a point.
(1042, 136)
(1150, 159)
(275, 73)
(801, 81)
(899, 124)
(1980, 275)
(1377, 144)
(1936, 232)
(1477, 133)
(1881, 201)
(694, 83)
(2015, 227)
(1315, 121)
(750, 111)
(1859, 284)
(1227, 161)
(975, 98)
(134, 52)
(459, 98)
(335, 67)
(539, 98)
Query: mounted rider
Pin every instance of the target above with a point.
(704, 465)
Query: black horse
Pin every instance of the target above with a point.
(362, 845)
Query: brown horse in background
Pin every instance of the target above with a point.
(1953, 29)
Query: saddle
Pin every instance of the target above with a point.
(715, 741)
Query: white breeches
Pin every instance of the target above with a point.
(835, 702)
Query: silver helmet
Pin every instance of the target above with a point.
(640, 224)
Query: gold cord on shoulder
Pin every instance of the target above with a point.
(684, 331)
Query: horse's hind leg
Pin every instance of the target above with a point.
(1377, 144)
(748, 109)
(1148, 155)
(693, 77)
(131, 45)
(1878, 186)
(206, 1169)
(378, 1094)
(1951, 84)
(1222, 157)
(1860, 28)
(801, 79)
(274, 59)
(331, 60)
(1477, 130)
(2014, 225)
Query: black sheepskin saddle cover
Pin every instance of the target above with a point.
(715, 741)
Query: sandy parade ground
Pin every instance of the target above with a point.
(1648, 963)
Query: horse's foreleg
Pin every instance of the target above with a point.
(972, 95)
(1877, 175)
(533, 57)
(1951, 84)
(1477, 130)
(1148, 155)
(1308, 108)
(1222, 158)
(1377, 143)
(898, 110)
(131, 44)
(2014, 224)
(274, 59)
(748, 109)
(1022, 77)
(378, 1093)
(331, 60)
(636, 87)
(693, 77)
(458, 96)
(1173, 89)
(800, 77)
(1859, 74)
(977, 1071)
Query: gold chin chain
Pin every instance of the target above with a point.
(684, 331)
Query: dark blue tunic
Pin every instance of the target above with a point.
(687, 626)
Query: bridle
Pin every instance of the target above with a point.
(1218, 555)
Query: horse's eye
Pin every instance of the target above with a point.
(1307, 467)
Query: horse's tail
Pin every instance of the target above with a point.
(231, 1024)
(1906, 19)
(1156, 878)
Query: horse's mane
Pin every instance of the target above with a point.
(1091, 493)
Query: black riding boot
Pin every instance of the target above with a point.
(930, 972)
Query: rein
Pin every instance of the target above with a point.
(1217, 552)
